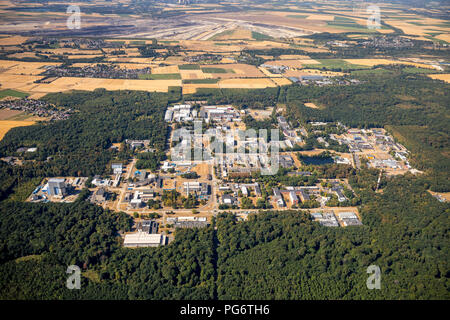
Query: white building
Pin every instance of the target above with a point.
(144, 239)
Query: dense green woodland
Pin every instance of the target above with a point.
(274, 255)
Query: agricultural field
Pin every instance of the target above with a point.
(443, 77)
(6, 125)
(207, 29)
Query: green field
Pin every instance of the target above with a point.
(377, 71)
(221, 34)
(350, 25)
(216, 70)
(137, 42)
(200, 81)
(297, 16)
(189, 67)
(12, 93)
(260, 36)
(418, 70)
(162, 76)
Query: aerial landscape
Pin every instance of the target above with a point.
(224, 150)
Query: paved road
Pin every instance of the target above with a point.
(125, 185)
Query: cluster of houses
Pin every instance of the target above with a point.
(37, 108)
(106, 71)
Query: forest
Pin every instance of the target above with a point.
(274, 255)
(80, 145)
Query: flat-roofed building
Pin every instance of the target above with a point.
(149, 226)
(280, 202)
(143, 239)
(117, 168)
(347, 215)
(196, 187)
(228, 199)
(293, 197)
(57, 187)
(257, 190)
(276, 193)
(101, 195)
(304, 195)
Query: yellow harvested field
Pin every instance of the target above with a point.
(311, 105)
(281, 81)
(16, 81)
(443, 77)
(192, 87)
(22, 68)
(192, 74)
(6, 125)
(238, 33)
(247, 83)
(324, 17)
(10, 41)
(243, 70)
(72, 83)
(168, 69)
(21, 55)
(408, 28)
(37, 95)
(313, 49)
(226, 60)
(374, 62)
(5, 114)
(444, 36)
